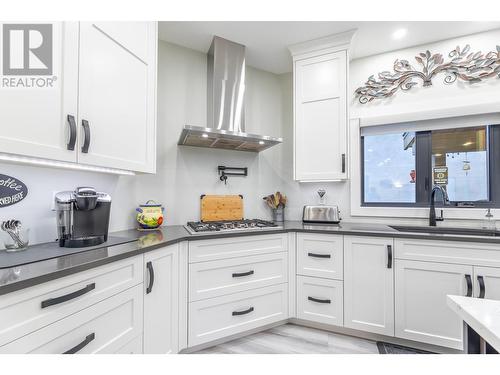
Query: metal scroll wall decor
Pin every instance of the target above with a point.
(464, 65)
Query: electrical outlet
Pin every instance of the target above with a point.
(53, 204)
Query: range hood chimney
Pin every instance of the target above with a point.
(226, 104)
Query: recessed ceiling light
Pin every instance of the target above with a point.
(204, 135)
(261, 142)
(399, 33)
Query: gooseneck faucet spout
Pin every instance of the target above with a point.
(432, 212)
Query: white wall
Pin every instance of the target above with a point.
(419, 98)
(35, 211)
(184, 173)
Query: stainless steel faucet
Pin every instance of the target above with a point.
(432, 212)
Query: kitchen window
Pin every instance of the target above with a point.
(401, 163)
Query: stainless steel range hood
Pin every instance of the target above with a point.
(225, 107)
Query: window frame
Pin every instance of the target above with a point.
(423, 167)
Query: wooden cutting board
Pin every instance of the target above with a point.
(221, 207)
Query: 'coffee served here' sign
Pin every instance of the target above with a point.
(12, 190)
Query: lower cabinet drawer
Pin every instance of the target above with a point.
(28, 310)
(320, 255)
(220, 277)
(105, 327)
(320, 300)
(219, 317)
(132, 347)
(234, 247)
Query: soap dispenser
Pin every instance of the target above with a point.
(488, 222)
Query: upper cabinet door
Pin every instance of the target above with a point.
(38, 89)
(117, 95)
(320, 135)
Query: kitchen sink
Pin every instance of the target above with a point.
(443, 230)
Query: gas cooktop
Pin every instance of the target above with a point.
(199, 227)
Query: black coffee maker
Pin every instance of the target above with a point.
(82, 217)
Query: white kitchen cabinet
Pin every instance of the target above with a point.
(320, 118)
(320, 255)
(117, 100)
(421, 310)
(487, 282)
(30, 309)
(227, 276)
(34, 120)
(100, 107)
(132, 347)
(456, 252)
(101, 328)
(320, 70)
(215, 318)
(161, 300)
(369, 284)
(235, 247)
(320, 300)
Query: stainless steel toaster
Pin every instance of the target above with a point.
(321, 214)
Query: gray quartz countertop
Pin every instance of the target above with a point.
(44, 262)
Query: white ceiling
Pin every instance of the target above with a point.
(267, 42)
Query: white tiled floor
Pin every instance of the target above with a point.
(293, 339)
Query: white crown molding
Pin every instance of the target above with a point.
(341, 41)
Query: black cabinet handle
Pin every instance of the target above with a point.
(319, 300)
(72, 132)
(482, 287)
(244, 312)
(241, 274)
(343, 163)
(469, 285)
(151, 271)
(314, 255)
(389, 256)
(67, 297)
(81, 345)
(86, 138)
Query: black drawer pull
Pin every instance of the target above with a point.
(319, 300)
(151, 271)
(319, 255)
(244, 312)
(72, 133)
(241, 274)
(482, 287)
(81, 345)
(389, 256)
(343, 163)
(469, 285)
(67, 297)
